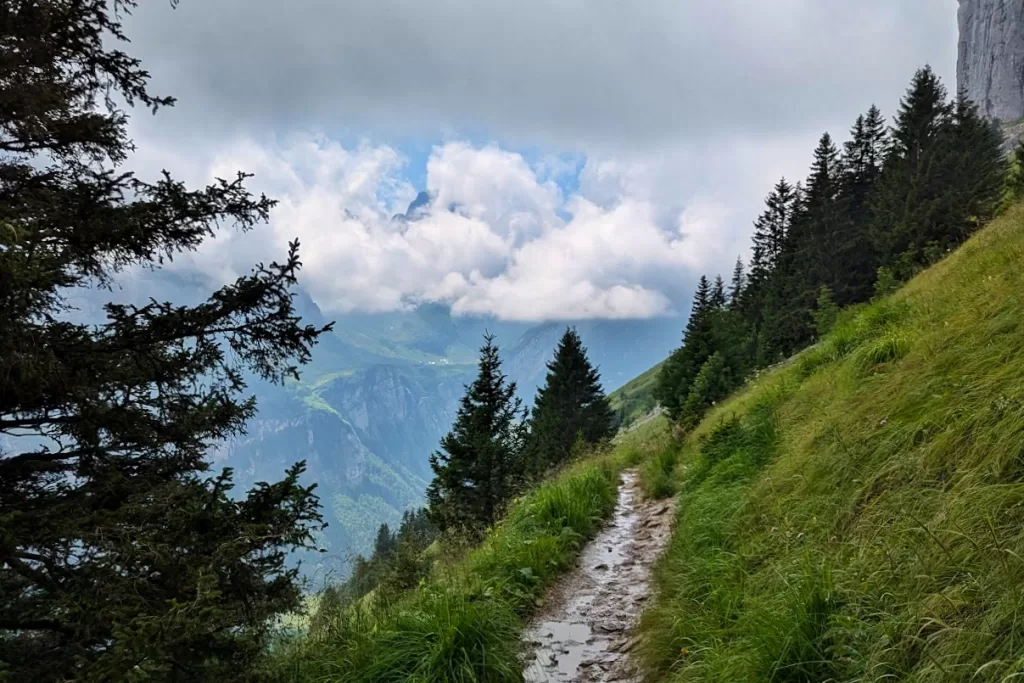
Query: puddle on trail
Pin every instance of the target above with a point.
(584, 634)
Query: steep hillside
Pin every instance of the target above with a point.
(635, 398)
(857, 515)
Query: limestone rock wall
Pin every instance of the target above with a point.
(990, 65)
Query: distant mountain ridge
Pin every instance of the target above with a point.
(381, 391)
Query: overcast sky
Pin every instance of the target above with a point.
(602, 153)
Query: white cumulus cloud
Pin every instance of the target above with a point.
(499, 236)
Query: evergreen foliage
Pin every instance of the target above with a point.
(890, 203)
(122, 557)
(397, 562)
(738, 284)
(570, 407)
(942, 179)
(862, 160)
(1015, 176)
(480, 464)
(681, 367)
(826, 312)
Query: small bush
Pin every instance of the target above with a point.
(826, 312)
(886, 283)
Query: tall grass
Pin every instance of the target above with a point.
(657, 472)
(859, 514)
(463, 624)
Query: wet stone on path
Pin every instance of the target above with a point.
(585, 633)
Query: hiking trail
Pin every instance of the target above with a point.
(585, 632)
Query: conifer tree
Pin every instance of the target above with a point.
(826, 312)
(385, 543)
(763, 296)
(972, 152)
(920, 118)
(770, 231)
(890, 203)
(122, 555)
(711, 383)
(942, 179)
(718, 298)
(738, 284)
(780, 321)
(1015, 174)
(907, 199)
(680, 369)
(862, 161)
(571, 405)
(863, 158)
(479, 466)
(824, 227)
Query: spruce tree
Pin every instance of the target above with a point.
(1015, 174)
(763, 296)
(571, 405)
(681, 367)
(122, 555)
(770, 230)
(737, 285)
(826, 312)
(479, 466)
(808, 259)
(977, 170)
(920, 118)
(718, 298)
(862, 161)
(942, 179)
(818, 238)
(385, 543)
(863, 158)
(711, 384)
(908, 196)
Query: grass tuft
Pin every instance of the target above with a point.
(892, 345)
(656, 473)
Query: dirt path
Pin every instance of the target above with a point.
(585, 631)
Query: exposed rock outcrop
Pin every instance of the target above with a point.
(990, 66)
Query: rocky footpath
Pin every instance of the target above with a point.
(585, 633)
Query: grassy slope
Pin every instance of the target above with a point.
(859, 514)
(635, 399)
(463, 623)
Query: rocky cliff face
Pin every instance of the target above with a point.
(990, 66)
(365, 437)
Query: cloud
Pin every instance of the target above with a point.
(494, 186)
(571, 73)
(654, 130)
(497, 239)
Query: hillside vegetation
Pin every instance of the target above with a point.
(463, 621)
(858, 515)
(635, 399)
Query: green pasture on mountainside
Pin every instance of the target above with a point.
(858, 515)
